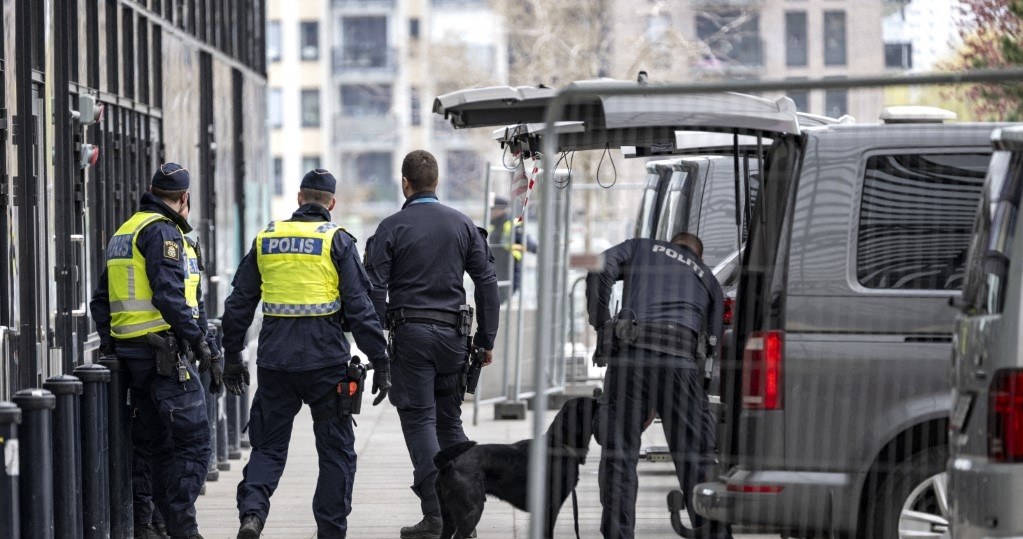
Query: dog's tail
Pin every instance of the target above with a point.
(449, 454)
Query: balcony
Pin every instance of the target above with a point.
(364, 5)
(362, 60)
(365, 129)
(726, 3)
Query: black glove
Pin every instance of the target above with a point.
(381, 383)
(236, 374)
(202, 354)
(216, 374)
(106, 347)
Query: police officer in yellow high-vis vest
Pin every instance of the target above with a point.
(308, 274)
(148, 305)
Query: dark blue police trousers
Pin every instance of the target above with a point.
(630, 392)
(425, 365)
(171, 433)
(279, 397)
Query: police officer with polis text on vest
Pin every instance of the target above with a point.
(307, 272)
(669, 297)
(148, 310)
(417, 260)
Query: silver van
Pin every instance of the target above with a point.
(986, 467)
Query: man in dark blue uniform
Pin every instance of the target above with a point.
(670, 296)
(416, 261)
(148, 310)
(307, 272)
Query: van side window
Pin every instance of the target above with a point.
(916, 219)
(992, 248)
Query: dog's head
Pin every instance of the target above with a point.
(572, 428)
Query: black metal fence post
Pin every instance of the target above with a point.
(10, 416)
(223, 464)
(121, 516)
(95, 447)
(234, 451)
(67, 456)
(213, 474)
(36, 462)
(243, 413)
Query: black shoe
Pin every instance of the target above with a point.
(428, 528)
(472, 535)
(161, 530)
(147, 531)
(251, 527)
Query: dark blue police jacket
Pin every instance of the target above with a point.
(417, 259)
(664, 282)
(307, 342)
(166, 278)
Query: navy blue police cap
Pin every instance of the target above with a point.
(320, 180)
(171, 177)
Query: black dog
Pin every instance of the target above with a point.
(467, 472)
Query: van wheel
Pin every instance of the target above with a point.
(913, 500)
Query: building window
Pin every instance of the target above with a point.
(795, 38)
(372, 174)
(365, 99)
(415, 106)
(801, 98)
(731, 36)
(836, 103)
(274, 114)
(898, 55)
(309, 40)
(413, 28)
(310, 108)
(310, 162)
(273, 41)
(834, 38)
(278, 176)
(363, 43)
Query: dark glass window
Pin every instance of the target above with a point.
(278, 176)
(309, 40)
(834, 38)
(415, 107)
(372, 174)
(413, 28)
(801, 98)
(732, 36)
(365, 99)
(363, 42)
(916, 219)
(836, 102)
(898, 55)
(274, 112)
(795, 38)
(310, 162)
(273, 41)
(310, 108)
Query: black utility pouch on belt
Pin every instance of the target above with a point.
(465, 320)
(345, 398)
(469, 376)
(169, 362)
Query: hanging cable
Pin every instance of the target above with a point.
(561, 184)
(614, 178)
(504, 162)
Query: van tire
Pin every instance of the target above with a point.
(884, 509)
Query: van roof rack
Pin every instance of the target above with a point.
(1008, 138)
(915, 114)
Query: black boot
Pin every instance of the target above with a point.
(251, 527)
(147, 531)
(428, 528)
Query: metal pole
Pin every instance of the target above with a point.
(36, 462)
(243, 412)
(67, 456)
(234, 403)
(10, 416)
(213, 473)
(486, 222)
(223, 464)
(95, 447)
(122, 522)
(520, 314)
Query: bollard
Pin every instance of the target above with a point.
(67, 456)
(213, 473)
(10, 416)
(122, 521)
(243, 413)
(36, 462)
(95, 450)
(223, 464)
(234, 451)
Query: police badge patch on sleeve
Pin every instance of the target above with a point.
(171, 250)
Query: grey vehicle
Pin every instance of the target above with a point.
(986, 467)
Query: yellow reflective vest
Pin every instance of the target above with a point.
(132, 313)
(298, 274)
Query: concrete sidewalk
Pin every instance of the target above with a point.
(383, 503)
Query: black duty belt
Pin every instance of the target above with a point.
(399, 317)
(666, 338)
(142, 340)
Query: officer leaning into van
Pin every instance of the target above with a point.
(307, 272)
(669, 295)
(149, 311)
(417, 260)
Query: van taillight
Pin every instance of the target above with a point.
(761, 370)
(1005, 432)
(729, 310)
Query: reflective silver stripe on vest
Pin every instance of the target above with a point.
(283, 309)
(325, 227)
(131, 282)
(132, 328)
(132, 305)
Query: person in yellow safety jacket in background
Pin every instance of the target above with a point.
(502, 226)
(148, 310)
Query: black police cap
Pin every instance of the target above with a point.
(171, 177)
(320, 180)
